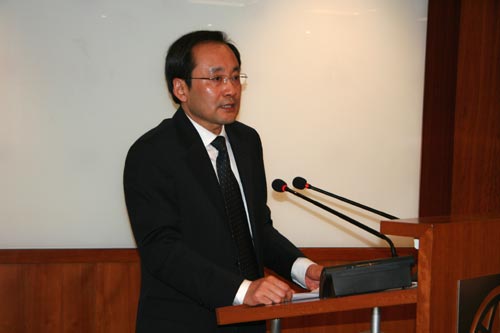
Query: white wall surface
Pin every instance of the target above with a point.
(335, 90)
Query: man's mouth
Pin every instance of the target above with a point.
(228, 106)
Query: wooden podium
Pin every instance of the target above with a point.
(451, 250)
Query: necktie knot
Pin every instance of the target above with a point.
(219, 143)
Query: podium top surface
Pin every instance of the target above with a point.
(243, 313)
(416, 227)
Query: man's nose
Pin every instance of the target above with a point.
(230, 87)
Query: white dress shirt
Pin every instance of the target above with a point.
(300, 265)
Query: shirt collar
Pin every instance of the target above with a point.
(206, 136)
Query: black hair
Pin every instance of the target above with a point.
(179, 62)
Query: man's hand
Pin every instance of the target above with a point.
(268, 290)
(313, 275)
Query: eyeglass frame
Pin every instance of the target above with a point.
(220, 79)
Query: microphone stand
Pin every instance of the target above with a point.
(301, 183)
(366, 276)
(346, 218)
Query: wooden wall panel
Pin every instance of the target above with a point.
(439, 107)
(460, 166)
(476, 164)
(119, 289)
(97, 291)
(68, 290)
(11, 294)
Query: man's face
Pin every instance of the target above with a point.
(209, 103)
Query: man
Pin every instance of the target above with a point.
(182, 216)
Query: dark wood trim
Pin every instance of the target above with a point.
(52, 256)
(44, 256)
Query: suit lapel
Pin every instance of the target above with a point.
(242, 155)
(198, 161)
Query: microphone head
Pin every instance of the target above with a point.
(300, 183)
(279, 185)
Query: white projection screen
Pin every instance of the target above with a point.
(335, 89)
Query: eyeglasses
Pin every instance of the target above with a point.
(218, 80)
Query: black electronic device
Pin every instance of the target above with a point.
(366, 276)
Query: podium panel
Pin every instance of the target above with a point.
(452, 250)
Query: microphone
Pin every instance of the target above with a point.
(362, 276)
(300, 183)
(280, 186)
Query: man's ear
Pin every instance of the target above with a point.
(180, 89)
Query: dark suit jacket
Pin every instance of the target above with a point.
(176, 210)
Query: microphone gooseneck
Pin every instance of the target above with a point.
(280, 186)
(300, 183)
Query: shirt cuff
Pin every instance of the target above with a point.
(242, 291)
(299, 269)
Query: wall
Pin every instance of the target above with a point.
(335, 91)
